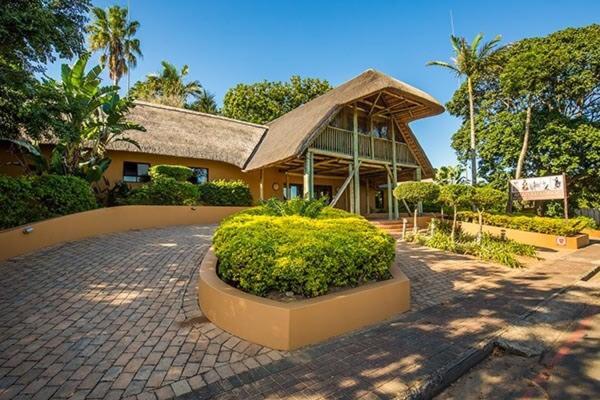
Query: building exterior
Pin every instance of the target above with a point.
(351, 144)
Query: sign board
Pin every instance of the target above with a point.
(540, 188)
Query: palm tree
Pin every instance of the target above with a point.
(468, 61)
(205, 103)
(111, 33)
(168, 87)
(450, 175)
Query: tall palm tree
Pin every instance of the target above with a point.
(468, 61)
(113, 34)
(168, 87)
(205, 103)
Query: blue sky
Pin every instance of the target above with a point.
(228, 42)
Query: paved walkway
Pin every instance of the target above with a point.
(116, 316)
(113, 316)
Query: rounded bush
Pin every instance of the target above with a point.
(28, 199)
(177, 172)
(309, 256)
(164, 191)
(224, 193)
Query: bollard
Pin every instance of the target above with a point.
(403, 228)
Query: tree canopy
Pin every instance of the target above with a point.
(33, 33)
(169, 87)
(265, 101)
(557, 78)
(113, 35)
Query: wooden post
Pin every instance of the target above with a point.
(287, 186)
(389, 197)
(261, 186)
(394, 169)
(351, 188)
(356, 165)
(566, 196)
(418, 179)
(308, 172)
(367, 195)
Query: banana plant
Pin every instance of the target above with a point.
(87, 118)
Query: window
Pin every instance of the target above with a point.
(134, 172)
(200, 175)
(323, 191)
(295, 191)
(379, 200)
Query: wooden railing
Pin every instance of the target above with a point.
(336, 140)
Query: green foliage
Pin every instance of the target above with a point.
(205, 103)
(33, 33)
(414, 192)
(551, 226)
(164, 191)
(177, 172)
(29, 199)
(265, 101)
(112, 33)
(487, 198)
(450, 175)
(85, 118)
(168, 87)
(297, 206)
(490, 249)
(456, 195)
(224, 193)
(557, 76)
(261, 253)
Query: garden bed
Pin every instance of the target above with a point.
(532, 238)
(288, 326)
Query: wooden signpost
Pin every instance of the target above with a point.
(552, 187)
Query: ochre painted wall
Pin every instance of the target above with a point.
(216, 170)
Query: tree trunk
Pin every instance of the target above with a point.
(452, 234)
(480, 232)
(472, 119)
(415, 228)
(525, 144)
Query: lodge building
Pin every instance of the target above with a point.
(351, 144)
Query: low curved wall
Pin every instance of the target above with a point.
(17, 241)
(533, 238)
(287, 326)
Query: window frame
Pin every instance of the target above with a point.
(137, 178)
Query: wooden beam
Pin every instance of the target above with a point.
(337, 196)
(261, 185)
(356, 163)
(375, 103)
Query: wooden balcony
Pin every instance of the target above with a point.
(339, 141)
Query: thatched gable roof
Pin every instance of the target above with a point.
(184, 133)
(289, 135)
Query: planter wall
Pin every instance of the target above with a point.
(15, 241)
(532, 238)
(287, 326)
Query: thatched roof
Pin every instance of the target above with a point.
(184, 133)
(289, 135)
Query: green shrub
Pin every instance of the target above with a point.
(224, 193)
(262, 253)
(296, 206)
(177, 172)
(28, 199)
(551, 226)
(164, 191)
(491, 248)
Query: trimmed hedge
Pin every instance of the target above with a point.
(28, 199)
(177, 172)
(224, 193)
(262, 253)
(164, 191)
(551, 226)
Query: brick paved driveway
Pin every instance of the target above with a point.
(113, 316)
